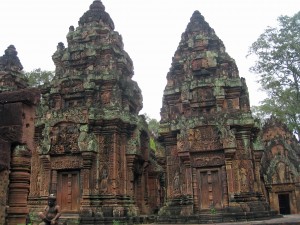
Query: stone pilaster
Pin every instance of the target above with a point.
(19, 185)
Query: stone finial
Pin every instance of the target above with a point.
(96, 13)
(198, 23)
(97, 4)
(10, 61)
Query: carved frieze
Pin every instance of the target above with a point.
(282, 188)
(208, 160)
(66, 162)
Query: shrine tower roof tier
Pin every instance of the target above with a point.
(11, 76)
(203, 78)
(94, 70)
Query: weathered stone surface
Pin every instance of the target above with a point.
(92, 147)
(17, 113)
(93, 150)
(280, 167)
(11, 76)
(207, 130)
(4, 175)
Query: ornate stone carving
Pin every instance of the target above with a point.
(205, 106)
(104, 180)
(64, 139)
(63, 163)
(204, 139)
(207, 160)
(89, 125)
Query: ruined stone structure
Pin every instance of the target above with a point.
(212, 165)
(280, 167)
(17, 113)
(92, 148)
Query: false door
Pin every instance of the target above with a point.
(210, 188)
(68, 194)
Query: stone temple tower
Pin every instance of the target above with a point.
(92, 148)
(212, 164)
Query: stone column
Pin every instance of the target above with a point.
(130, 177)
(225, 185)
(46, 175)
(85, 180)
(195, 190)
(53, 189)
(4, 177)
(19, 185)
(258, 186)
(229, 153)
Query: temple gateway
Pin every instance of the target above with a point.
(81, 137)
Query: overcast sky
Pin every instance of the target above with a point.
(151, 31)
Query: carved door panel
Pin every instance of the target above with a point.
(216, 189)
(210, 188)
(68, 194)
(204, 190)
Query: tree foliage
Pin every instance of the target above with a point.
(153, 125)
(39, 77)
(278, 66)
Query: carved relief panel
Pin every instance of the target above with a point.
(199, 64)
(243, 175)
(203, 96)
(104, 163)
(64, 137)
(204, 138)
(175, 178)
(71, 86)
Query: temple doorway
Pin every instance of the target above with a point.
(284, 204)
(68, 191)
(210, 188)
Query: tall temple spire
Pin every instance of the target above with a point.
(206, 125)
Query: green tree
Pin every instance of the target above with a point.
(278, 66)
(39, 77)
(153, 125)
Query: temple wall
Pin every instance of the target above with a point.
(16, 139)
(4, 176)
